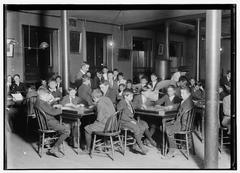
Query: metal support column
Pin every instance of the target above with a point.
(213, 43)
(84, 41)
(167, 40)
(65, 50)
(198, 49)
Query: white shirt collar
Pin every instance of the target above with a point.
(82, 71)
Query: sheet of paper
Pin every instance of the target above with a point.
(18, 96)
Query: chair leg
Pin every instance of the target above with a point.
(221, 142)
(26, 130)
(187, 145)
(42, 145)
(39, 144)
(120, 141)
(112, 146)
(193, 147)
(125, 142)
(94, 143)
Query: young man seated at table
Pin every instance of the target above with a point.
(180, 122)
(154, 82)
(43, 104)
(85, 91)
(17, 86)
(142, 85)
(109, 92)
(170, 100)
(128, 121)
(105, 109)
(57, 95)
(71, 100)
(142, 101)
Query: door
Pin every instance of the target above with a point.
(96, 50)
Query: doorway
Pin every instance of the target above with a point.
(38, 61)
(96, 51)
(142, 56)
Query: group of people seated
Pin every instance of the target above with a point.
(109, 92)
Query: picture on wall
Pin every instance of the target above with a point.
(10, 48)
(160, 48)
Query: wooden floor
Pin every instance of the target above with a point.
(22, 155)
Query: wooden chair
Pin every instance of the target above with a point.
(46, 136)
(128, 138)
(30, 102)
(112, 132)
(183, 138)
(224, 137)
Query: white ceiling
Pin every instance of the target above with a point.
(121, 17)
(130, 16)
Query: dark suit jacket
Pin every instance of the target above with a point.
(112, 94)
(56, 93)
(105, 109)
(48, 109)
(78, 79)
(14, 88)
(181, 120)
(166, 101)
(182, 116)
(96, 82)
(85, 94)
(137, 102)
(127, 115)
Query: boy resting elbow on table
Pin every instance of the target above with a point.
(170, 101)
(43, 104)
(128, 121)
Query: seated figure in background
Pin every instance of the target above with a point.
(85, 91)
(222, 93)
(142, 85)
(226, 122)
(192, 83)
(59, 83)
(121, 79)
(105, 109)
(109, 92)
(43, 104)
(154, 81)
(129, 85)
(56, 94)
(180, 122)
(170, 100)
(17, 86)
(122, 87)
(115, 74)
(226, 82)
(9, 83)
(44, 84)
(138, 127)
(97, 80)
(198, 92)
(105, 73)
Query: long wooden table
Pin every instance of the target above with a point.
(163, 115)
(73, 114)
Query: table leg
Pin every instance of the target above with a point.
(60, 119)
(203, 127)
(163, 137)
(78, 136)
